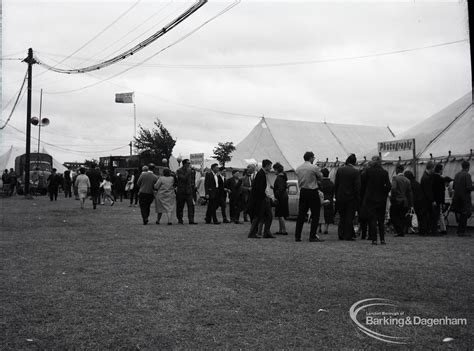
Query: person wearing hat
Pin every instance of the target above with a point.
(185, 189)
(347, 189)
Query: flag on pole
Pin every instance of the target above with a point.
(124, 98)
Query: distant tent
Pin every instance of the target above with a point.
(450, 131)
(286, 141)
(446, 137)
(7, 160)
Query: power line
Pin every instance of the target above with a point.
(71, 150)
(133, 50)
(132, 30)
(235, 3)
(98, 34)
(307, 62)
(290, 63)
(16, 102)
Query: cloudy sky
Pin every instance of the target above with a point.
(377, 63)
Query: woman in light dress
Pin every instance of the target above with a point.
(165, 196)
(83, 185)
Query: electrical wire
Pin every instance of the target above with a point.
(307, 62)
(67, 149)
(235, 3)
(14, 54)
(133, 50)
(291, 63)
(98, 34)
(16, 102)
(120, 39)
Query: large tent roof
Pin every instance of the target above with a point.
(449, 130)
(286, 141)
(7, 160)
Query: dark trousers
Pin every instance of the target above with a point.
(436, 214)
(234, 207)
(95, 195)
(211, 209)
(462, 222)
(429, 222)
(222, 204)
(364, 225)
(182, 199)
(67, 191)
(347, 212)
(133, 195)
(397, 215)
(145, 201)
(264, 216)
(422, 216)
(309, 199)
(377, 221)
(53, 193)
(118, 194)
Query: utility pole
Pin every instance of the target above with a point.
(130, 148)
(470, 10)
(30, 61)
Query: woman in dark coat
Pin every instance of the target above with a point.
(281, 195)
(327, 187)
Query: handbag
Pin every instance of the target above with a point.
(129, 186)
(412, 219)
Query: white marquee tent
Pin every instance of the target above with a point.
(7, 160)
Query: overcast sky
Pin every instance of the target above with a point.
(376, 63)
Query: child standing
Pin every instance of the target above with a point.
(107, 186)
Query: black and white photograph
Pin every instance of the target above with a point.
(236, 175)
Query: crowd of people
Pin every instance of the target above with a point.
(358, 196)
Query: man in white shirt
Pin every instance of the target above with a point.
(308, 177)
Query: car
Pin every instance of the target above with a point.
(293, 197)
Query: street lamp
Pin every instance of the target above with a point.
(179, 159)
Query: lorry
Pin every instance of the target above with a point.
(41, 165)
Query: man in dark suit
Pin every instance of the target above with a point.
(261, 206)
(428, 224)
(95, 178)
(401, 200)
(462, 197)
(211, 186)
(234, 185)
(185, 189)
(247, 182)
(376, 182)
(347, 189)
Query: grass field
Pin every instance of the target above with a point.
(99, 279)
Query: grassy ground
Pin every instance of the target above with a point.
(99, 279)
